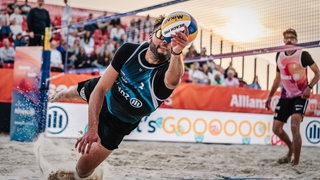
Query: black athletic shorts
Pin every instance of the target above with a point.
(111, 130)
(288, 106)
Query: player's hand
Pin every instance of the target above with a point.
(179, 40)
(306, 93)
(84, 143)
(268, 101)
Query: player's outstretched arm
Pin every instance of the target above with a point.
(176, 67)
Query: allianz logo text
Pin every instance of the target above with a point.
(57, 120)
(313, 132)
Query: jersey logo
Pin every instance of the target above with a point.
(135, 102)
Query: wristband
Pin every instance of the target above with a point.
(174, 53)
(309, 85)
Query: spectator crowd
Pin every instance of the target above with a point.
(93, 45)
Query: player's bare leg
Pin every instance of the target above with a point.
(88, 163)
(296, 138)
(278, 130)
(70, 93)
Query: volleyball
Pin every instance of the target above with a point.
(175, 21)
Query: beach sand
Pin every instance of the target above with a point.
(157, 160)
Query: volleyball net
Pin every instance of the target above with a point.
(247, 34)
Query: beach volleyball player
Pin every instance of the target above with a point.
(292, 74)
(139, 79)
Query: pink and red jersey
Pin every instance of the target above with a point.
(293, 74)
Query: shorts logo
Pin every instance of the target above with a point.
(82, 94)
(57, 120)
(135, 102)
(298, 107)
(313, 132)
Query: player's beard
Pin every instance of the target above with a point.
(289, 43)
(159, 56)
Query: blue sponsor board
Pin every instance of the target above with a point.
(26, 109)
(24, 124)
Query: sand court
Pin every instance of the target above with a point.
(157, 160)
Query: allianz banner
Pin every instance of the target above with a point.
(229, 99)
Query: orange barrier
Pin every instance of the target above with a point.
(6, 84)
(186, 96)
(229, 99)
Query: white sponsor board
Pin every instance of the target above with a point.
(67, 120)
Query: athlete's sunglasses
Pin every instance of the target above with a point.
(158, 34)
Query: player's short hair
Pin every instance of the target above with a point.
(290, 31)
(158, 22)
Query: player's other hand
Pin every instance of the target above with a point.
(268, 101)
(84, 143)
(306, 93)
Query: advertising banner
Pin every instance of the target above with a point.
(25, 94)
(64, 120)
(229, 99)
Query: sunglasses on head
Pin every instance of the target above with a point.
(158, 34)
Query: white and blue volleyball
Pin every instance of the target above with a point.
(175, 21)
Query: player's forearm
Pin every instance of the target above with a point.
(274, 88)
(315, 79)
(174, 72)
(95, 104)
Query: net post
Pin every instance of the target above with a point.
(44, 81)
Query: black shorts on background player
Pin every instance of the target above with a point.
(288, 106)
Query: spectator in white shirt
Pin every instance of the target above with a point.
(117, 32)
(4, 17)
(16, 16)
(230, 80)
(208, 76)
(107, 45)
(87, 43)
(132, 32)
(15, 28)
(196, 76)
(7, 53)
(55, 58)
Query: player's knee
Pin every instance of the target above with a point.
(296, 118)
(277, 130)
